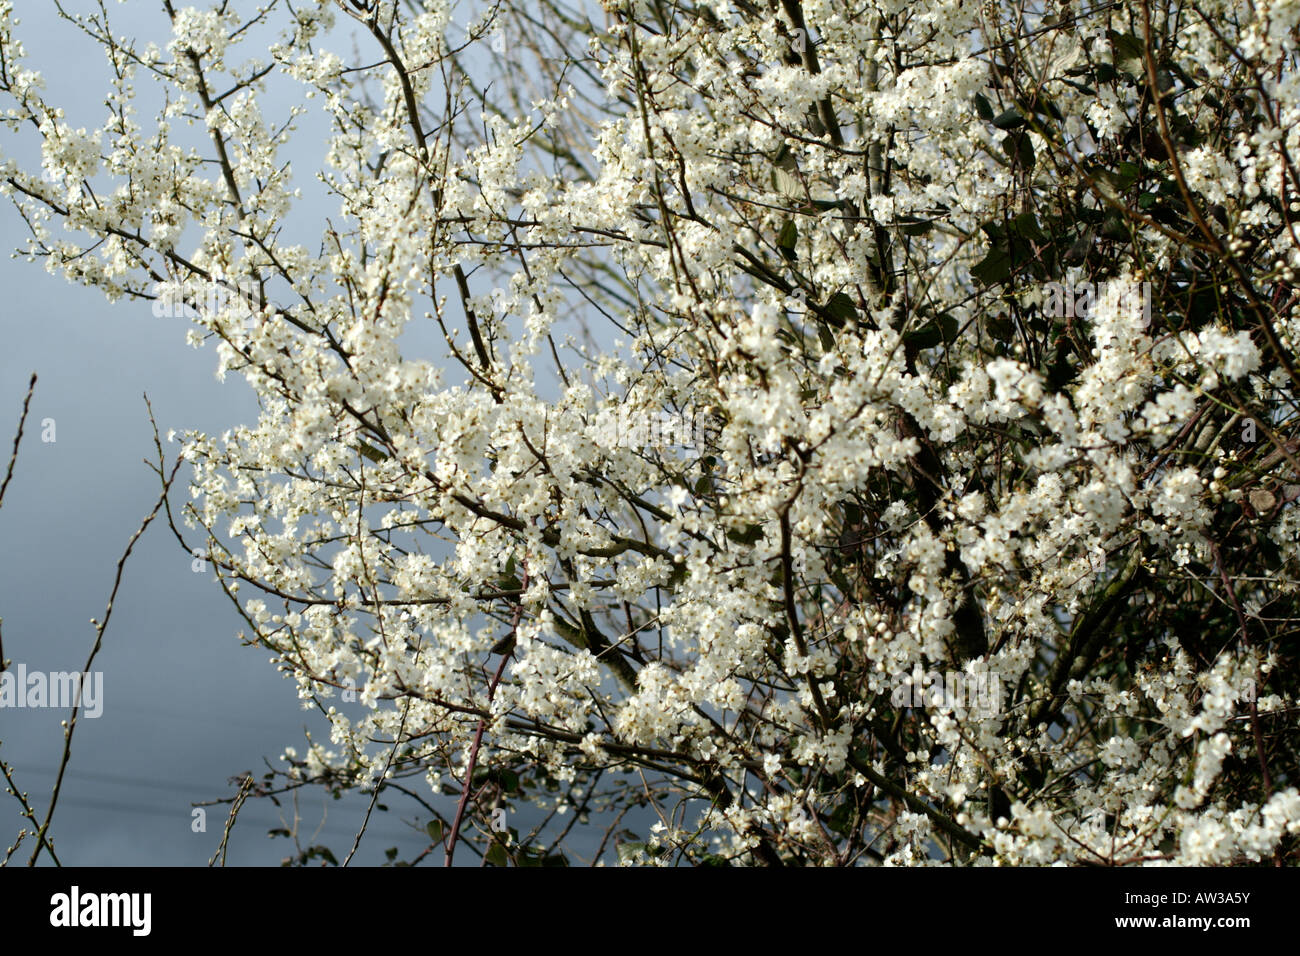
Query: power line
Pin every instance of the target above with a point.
(162, 813)
(113, 778)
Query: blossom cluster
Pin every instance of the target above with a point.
(831, 232)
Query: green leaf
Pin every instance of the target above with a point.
(1042, 105)
(824, 205)
(749, 535)
(628, 851)
(434, 829)
(842, 817)
(915, 226)
(391, 853)
(1129, 53)
(943, 329)
(785, 174)
(1107, 181)
(982, 108)
(788, 238)
(509, 781)
(1020, 150)
(1001, 328)
(324, 853)
(926, 337)
(993, 268)
(1026, 225)
(841, 308)
(826, 336)
(1078, 250)
(1011, 119)
(1106, 73)
(496, 855)
(948, 327)
(784, 158)
(1113, 227)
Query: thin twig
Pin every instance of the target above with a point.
(478, 731)
(100, 627)
(22, 420)
(245, 786)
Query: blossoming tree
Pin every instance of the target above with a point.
(971, 327)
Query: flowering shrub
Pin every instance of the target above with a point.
(831, 232)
